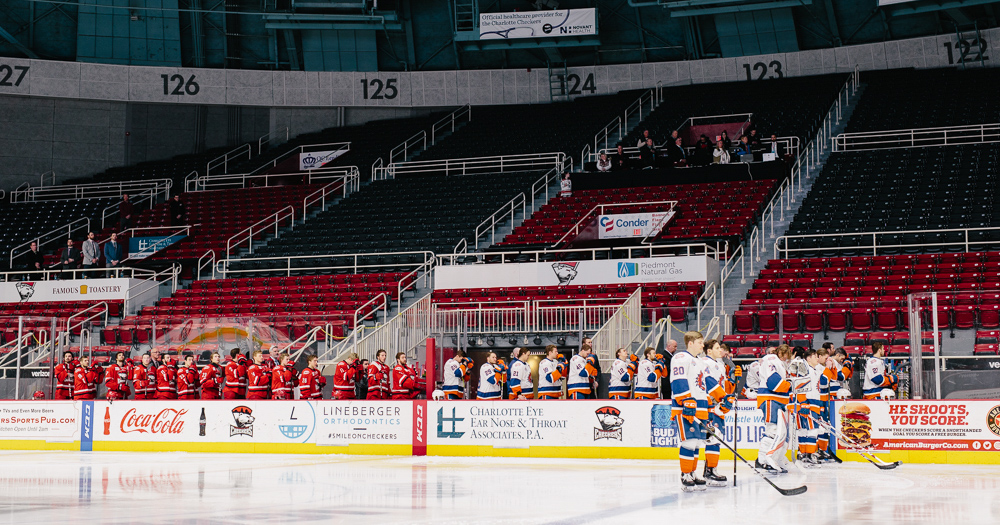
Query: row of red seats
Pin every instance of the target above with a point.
(904, 270)
(305, 280)
(885, 260)
(849, 292)
(842, 319)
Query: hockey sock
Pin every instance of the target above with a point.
(689, 459)
(712, 456)
(823, 443)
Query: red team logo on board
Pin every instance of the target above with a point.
(166, 421)
(611, 423)
(243, 416)
(993, 420)
(565, 272)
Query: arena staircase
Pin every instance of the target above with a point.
(733, 289)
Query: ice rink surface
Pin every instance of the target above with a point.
(155, 488)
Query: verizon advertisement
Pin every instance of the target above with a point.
(920, 425)
(341, 423)
(631, 225)
(71, 290)
(57, 421)
(652, 270)
(538, 24)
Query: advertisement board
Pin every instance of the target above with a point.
(538, 24)
(40, 420)
(631, 225)
(382, 422)
(142, 247)
(318, 159)
(68, 290)
(564, 273)
(958, 425)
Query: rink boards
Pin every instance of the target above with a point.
(951, 431)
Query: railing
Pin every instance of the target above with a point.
(713, 329)
(489, 225)
(319, 196)
(242, 180)
(917, 138)
(476, 165)
(369, 310)
(59, 234)
(691, 121)
(94, 273)
(351, 261)
(422, 274)
(524, 317)
(268, 139)
(659, 330)
(223, 160)
(620, 330)
(582, 223)
(150, 197)
(450, 121)
(791, 145)
(48, 176)
(342, 147)
(404, 332)
(296, 347)
(102, 311)
(209, 260)
(95, 190)
(870, 240)
(650, 97)
(137, 291)
(271, 221)
(735, 259)
(710, 297)
(402, 152)
(174, 231)
(548, 255)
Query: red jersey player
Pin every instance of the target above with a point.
(116, 378)
(283, 378)
(258, 378)
(344, 378)
(236, 377)
(166, 379)
(378, 377)
(187, 379)
(144, 378)
(309, 384)
(64, 377)
(211, 379)
(405, 383)
(85, 380)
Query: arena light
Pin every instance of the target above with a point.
(537, 341)
(491, 341)
(512, 341)
(561, 341)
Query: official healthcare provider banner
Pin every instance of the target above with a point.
(318, 159)
(651, 270)
(921, 425)
(629, 225)
(142, 247)
(70, 290)
(538, 24)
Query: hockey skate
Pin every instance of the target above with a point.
(689, 483)
(713, 479)
(808, 460)
(824, 456)
(769, 467)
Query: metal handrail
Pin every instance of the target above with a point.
(63, 231)
(461, 247)
(50, 175)
(542, 184)
(426, 268)
(469, 165)
(384, 306)
(266, 138)
(636, 106)
(450, 120)
(709, 295)
(575, 229)
(790, 143)
(491, 222)
(271, 220)
(210, 254)
(223, 265)
(418, 138)
(501, 257)
(69, 322)
(91, 190)
(150, 283)
(96, 273)
(305, 340)
(781, 249)
(917, 137)
(223, 160)
(320, 196)
(245, 180)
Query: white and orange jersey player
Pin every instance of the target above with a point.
(879, 383)
(648, 375)
(620, 378)
(772, 397)
(689, 407)
(520, 383)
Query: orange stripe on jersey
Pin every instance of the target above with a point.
(644, 395)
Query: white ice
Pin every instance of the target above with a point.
(155, 488)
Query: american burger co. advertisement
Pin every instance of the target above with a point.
(920, 425)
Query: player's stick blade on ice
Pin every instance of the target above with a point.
(784, 492)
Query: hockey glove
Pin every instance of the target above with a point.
(689, 410)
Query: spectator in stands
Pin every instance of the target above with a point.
(604, 163)
(726, 143)
(91, 254)
(34, 261)
(754, 139)
(676, 154)
(720, 155)
(178, 212)
(647, 155)
(775, 147)
(566, 186)
(743, 148)
(702, 155)
(620, 162)
(112, 253)
(645, 137)
(125, 213)
(674, 135)
(69, 259)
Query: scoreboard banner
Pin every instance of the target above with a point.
(538, 24)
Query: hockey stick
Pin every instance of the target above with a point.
(736, 395)
(784, 492)
(861, 452)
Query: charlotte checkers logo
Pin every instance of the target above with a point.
(628, 269)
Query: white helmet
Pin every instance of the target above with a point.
(437, 395)
(887, 394)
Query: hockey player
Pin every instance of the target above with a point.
(259, 378)
(116, 377)
(85, 380)
(345, 376)
(840, 389)
(827, 367)
(689, 407)
(309, 384)
(581, 371)
(378, 377)
(521, 385)
(166, 379)
(236, 377)
(187, 379)
(144, 378)
(879, 383)
(456, 375)
(211, 378)
(283, 378)
(805, 382)
(772, 397)
(490, 378)
(550, 374)
(718, 388)
(405, 383)
(752, 371)
(64, 377)
(648, 375)
(620, 379)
